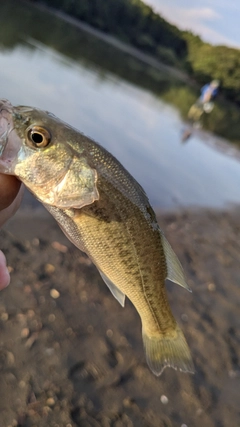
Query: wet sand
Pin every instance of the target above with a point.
(70, 355)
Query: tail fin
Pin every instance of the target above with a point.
(163, 351)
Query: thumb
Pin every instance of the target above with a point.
(4, 273)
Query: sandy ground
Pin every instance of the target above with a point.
(70, 355)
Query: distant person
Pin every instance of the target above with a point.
(204, 103)
(11, 192)
(209, 91)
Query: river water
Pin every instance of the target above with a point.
(50, 64)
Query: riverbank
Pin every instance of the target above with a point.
(71, 356)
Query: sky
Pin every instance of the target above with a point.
(215, 21)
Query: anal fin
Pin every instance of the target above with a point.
(174, 269)
(119, 295)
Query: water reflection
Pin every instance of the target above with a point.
(119, 102)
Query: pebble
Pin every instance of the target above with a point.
(49, 268)
(35, 242)
(211, 287)
(49, 351)
(109, 333)
(10, 378)
(85, 260)
(4, 317)
(36, 325)
(164, 399)
(54, 293)
(56, 345)
(31, 412)
(184, 317)
(27, 289)
(128, 402)
(21, 317)
(25, 332)
(59, 247)
(22, 384)
(233, 374)
(30, 314)
(10, 358)
(83, 296)
(46, 410)
(31, 340)
(50, 401)
(51, 318)
(27, 244)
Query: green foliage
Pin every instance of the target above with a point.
(131, 20)
(167, 56)
(207, 62)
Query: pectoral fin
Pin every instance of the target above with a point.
(174, 269)
(119, 295)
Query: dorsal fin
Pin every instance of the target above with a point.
(174, 269)
(119, 295)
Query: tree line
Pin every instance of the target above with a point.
(132, 21)
(136, 23)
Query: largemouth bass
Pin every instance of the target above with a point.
(106, 214)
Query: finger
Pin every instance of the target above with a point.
(4, 273)
(8, 212)
(9, 187)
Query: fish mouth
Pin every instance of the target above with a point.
(6, 123)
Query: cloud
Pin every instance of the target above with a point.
(186, 18)
(191, 19)
(204, 21)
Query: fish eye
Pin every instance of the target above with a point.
(38, 137)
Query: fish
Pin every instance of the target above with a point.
(105, 212)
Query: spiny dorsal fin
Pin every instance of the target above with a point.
(119, 295)
(174, 269)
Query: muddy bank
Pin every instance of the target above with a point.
(71, 356)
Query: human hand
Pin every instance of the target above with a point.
(11, 192)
